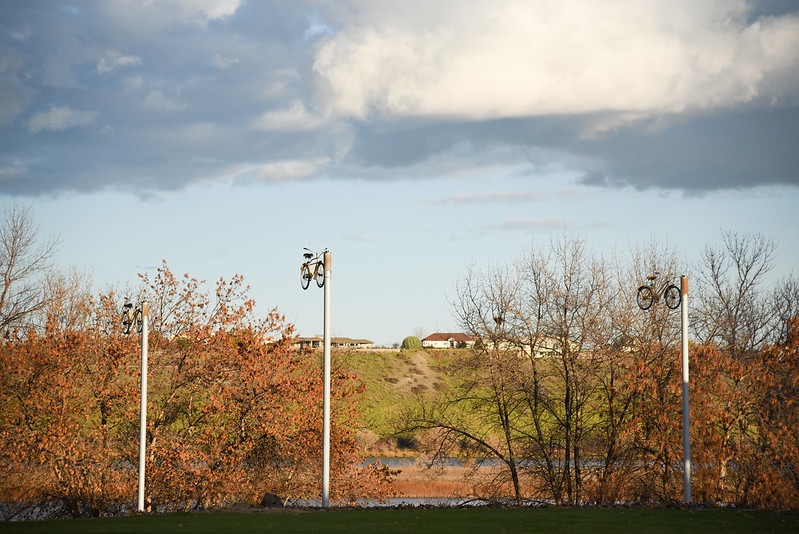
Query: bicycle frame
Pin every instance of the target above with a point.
(651, 293)
(130, 316)
(313, 268)
(660, 291)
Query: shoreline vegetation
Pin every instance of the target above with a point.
(571, 394)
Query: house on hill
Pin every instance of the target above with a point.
(317, 342)
(448, 340)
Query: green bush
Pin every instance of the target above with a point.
(411, 343)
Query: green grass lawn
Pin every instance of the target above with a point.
(419, 520)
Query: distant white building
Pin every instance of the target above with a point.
(448, 340)
(317, 342)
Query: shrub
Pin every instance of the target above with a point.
(411, 343)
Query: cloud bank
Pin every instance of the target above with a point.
(513, 59)
(693, 96)
(59, 118)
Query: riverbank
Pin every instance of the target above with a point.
(422, 482)
(452, 479)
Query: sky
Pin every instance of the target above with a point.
(414, 140)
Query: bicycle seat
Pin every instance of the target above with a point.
(652, 277)
(307, 255)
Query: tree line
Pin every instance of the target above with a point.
(233, 411)
(575, 393)
(572, 391)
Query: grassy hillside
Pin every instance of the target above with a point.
(394, 380)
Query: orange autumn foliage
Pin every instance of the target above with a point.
(233, 412)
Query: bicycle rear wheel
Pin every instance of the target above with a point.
(320, 274)
(673, 297)
(305, 275)
(645, 298)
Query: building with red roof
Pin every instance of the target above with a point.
(448, 340)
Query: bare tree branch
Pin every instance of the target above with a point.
(21, 264)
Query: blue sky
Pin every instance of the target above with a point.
(412, 139)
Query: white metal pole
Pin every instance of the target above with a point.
(145, 312)
(328, 263)
(686, 414)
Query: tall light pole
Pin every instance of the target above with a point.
(140, 317)
(328, 266)
(686, 414)
(145, 312)
(314, 268)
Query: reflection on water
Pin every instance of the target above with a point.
(395, 463)
(399, 502)
(464, 462)
(408, 462)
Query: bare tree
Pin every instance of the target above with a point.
(542, 323)
(487, 380)
(785, 307)
(733, 312)
(574, 312)
(67, 300)
(22, 262)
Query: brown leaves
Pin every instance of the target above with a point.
(233, 411)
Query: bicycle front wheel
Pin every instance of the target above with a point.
(645, 298)
(673, 297)
(320, 274)
(305, 275)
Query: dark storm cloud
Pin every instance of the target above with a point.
(722, 151)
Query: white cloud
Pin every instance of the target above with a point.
(469, 59)
(59, 118)
(113, 60)
(208, 9)
(161, 13)
(287, 170)
(295, 118)
(158, 101)
(220, 62)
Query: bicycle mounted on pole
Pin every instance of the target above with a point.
(650, 293)
(131, 316)
(313, 268)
